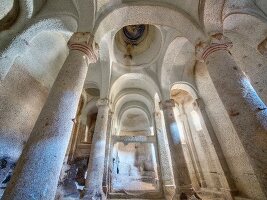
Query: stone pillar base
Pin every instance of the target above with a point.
(169, 191)
(94, 195)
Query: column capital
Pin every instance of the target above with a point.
(102, 102)
(84, 42)
(167, 104)
(216, 42)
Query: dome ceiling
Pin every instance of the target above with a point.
(137, 45)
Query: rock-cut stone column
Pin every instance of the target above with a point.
(107, 153)
(95, 171)
(192, 148)
(166, 170)
(38, 169)
(247, 112)
(227, 183)
(180, 171)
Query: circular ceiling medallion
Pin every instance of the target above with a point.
(133, 34)
(137, 45)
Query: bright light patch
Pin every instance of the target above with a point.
(86, 134)
(196, 120)
(151, 130)
(175, 133)
(181, 131)
(153, 152)
(179, 125)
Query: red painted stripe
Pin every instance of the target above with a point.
(213, 49)
(81, 51)
(82, 48)
(213, 46)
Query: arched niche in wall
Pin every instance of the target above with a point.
(185, 96)
(197, 137)
(185, 88)
(177, 65)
